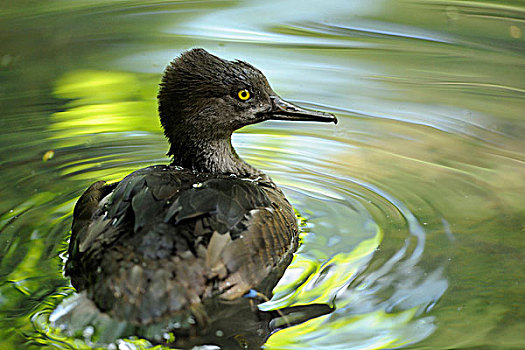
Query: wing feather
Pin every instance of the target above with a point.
(165, 239)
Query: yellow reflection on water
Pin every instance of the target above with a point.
(102, 101)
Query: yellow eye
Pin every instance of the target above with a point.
(243, 94)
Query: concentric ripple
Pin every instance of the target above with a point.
(362, 251)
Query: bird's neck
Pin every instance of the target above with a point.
(210, 156)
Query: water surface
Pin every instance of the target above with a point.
(413, 205)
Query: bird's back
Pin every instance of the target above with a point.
(164, 240)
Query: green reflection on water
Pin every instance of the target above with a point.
(386, 326)
(104, 101)
(320, 279)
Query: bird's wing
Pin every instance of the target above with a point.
(169, 238)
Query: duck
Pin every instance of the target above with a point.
(167, 241)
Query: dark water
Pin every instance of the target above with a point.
(414, 203)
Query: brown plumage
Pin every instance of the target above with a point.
(168, 239)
